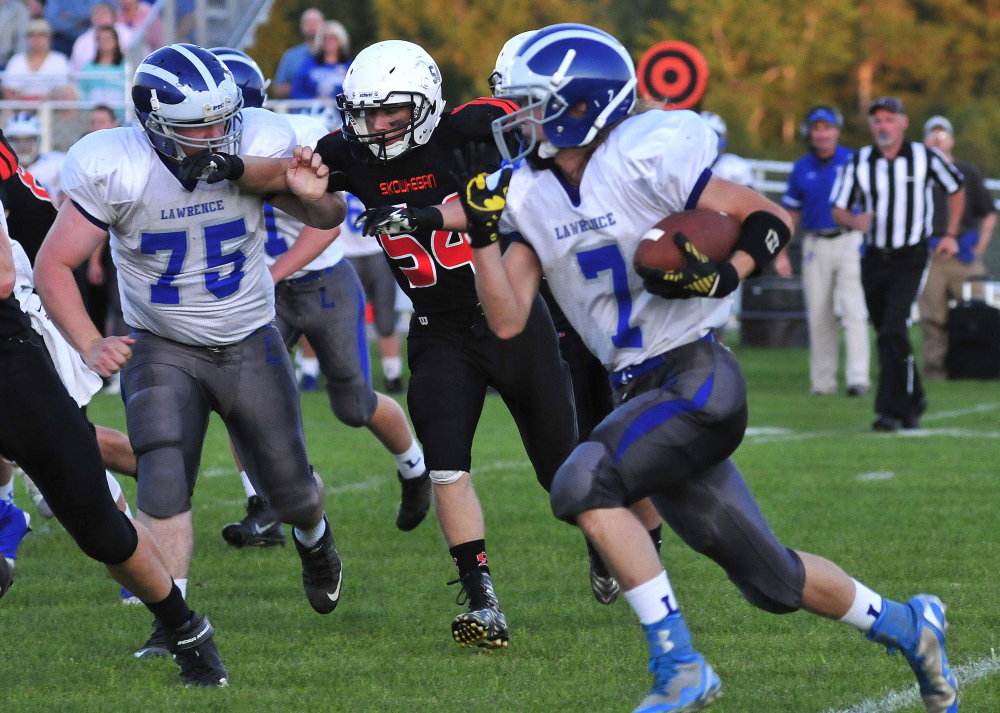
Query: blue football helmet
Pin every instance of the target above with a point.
(554, 71)
(184, 86)
(247, 74)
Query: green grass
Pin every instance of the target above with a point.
(66, 641)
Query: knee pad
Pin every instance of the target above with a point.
(770, 591)
(111, 542)
(446, 477)
(577, 487)
(296, 504)
(154, 417)
(353, 406)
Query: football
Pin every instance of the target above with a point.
(713, 233)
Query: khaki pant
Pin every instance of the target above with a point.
(944, 282)
(831, 278)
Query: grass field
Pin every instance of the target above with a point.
(904, 513)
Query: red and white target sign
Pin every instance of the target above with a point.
(674, 73)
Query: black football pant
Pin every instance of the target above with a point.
(44, 431)
(891, 282)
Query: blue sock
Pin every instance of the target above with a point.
(670, 635)
(896, 627)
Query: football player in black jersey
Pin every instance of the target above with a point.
(397, 149)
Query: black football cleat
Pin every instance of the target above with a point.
(484, 625)
(260, 528)
(6, 575)
(322, 572)
(156, 644)
(194, 650)
(602, 583)
(415, 501)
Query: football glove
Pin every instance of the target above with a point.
(700, 276)
(210, 167)
(483, 194)
(392, 220)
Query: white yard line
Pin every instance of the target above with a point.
(894, 700)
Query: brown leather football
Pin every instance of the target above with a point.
(713, 233)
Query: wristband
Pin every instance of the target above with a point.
(762, 236)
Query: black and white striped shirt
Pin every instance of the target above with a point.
(898, 192)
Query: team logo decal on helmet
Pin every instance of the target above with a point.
(573, 80)
(247, 74)
(180, 86)
(391, 75)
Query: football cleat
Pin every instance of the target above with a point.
(6, 576)
(260, 528)
(309, 383)
(602, 584)
(484, 625)
(14, 525)
(129, 598)
(37, 498)
(322, 572)
(156, 644)
(917, 629)
(194, 650)
(683, 682)
(394, 386)
(415, 501)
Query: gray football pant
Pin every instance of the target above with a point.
(169, 391)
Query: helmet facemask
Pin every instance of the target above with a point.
(229, 142)
(393, 142)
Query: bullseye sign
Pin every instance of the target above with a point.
(674, 73)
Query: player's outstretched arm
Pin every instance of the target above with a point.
(255, 174)
(307, 177)
(308, 246)
(69, 242)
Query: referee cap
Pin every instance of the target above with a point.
(938, 122)
(893, 104)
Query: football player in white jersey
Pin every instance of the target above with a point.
(323, 300)
(199, 298)
(590, 179)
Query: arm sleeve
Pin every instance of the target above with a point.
(675, 153)
(842, 194)
(978, 201)
(93, 180)
(946, 175)
(793, 192)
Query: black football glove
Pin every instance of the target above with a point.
(210, 167)
(699, 277)
(483, 194)
(391, 220)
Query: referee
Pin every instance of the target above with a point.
(892, 181)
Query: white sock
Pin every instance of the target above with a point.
(182, 584)
(653, 600)
(865, 609)
(114, 486)
(310, 366)
(308, 538)
(411, 463)
(392, 367)
(247, 485)
(7, 492)
(128, 512)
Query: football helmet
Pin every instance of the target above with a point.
(506, 56)
(24, 131)
(391, 75)
(248, 75)
(717, 124)
(184, 86)
(554, 71)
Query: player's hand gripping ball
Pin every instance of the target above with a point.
(685, 255)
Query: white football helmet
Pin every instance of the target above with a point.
(717, 124)
(387, 75)
(24, 132)
(185, 86)
(506, 57)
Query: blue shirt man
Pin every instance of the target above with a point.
(813, 175)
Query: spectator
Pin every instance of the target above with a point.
(321, 76)
(85, 48)
(102, 79)
(895, 222)
(946, 275)
(40, 72)
(14, 18)
(831, 259)
(102, 117)
(131, 14)
(292, 59)
(68, 19)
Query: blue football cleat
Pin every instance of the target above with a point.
(917, 629)
(309, 383)
(683, 682)
(14, 525)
